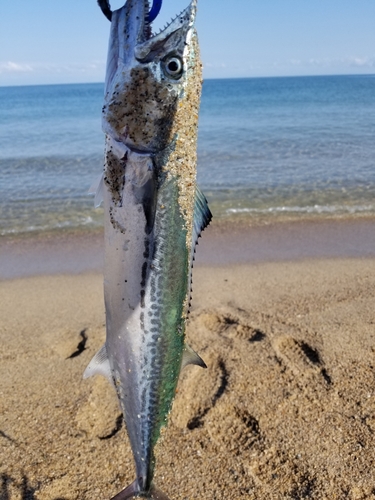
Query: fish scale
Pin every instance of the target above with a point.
(154, 214)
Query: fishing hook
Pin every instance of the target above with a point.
(154, 12)
(151, 16)
(106, 9)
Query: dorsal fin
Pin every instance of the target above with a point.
(202, 214)
(202, 217)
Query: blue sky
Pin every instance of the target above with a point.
(65, 41)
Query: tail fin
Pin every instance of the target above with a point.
(132, 491)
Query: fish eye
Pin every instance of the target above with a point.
(173, 67)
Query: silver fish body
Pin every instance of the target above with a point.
(154, 214)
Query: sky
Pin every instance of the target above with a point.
(65, 41)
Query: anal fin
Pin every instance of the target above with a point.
(190, 357)
(99, 365)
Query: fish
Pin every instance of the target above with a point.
(154, 213)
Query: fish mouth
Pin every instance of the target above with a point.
(131, 37)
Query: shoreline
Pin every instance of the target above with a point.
(222, 243)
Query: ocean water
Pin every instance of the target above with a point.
(269, 148)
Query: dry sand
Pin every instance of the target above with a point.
(285, 410)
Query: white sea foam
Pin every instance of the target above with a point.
(51, 226)
(316, 209)
(267, 147)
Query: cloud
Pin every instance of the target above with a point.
(296, 66)
(12, 67)
(36, 73)
(368, 62)
(326, 62)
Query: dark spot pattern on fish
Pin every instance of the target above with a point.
(144, 274)
(145, 192)
(142, 296)
(146, 253)
(142, 321)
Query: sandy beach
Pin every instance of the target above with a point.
(282, 315)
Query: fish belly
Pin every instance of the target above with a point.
(147, 261)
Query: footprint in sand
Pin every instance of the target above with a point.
(191, 407)
(300, 357)
(232, 324)
(98, 416)
(234, 427)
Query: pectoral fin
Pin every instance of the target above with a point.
(96, 189)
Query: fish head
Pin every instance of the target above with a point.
(148, 75)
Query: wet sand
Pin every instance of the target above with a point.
(285, 410)
(223, 243)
